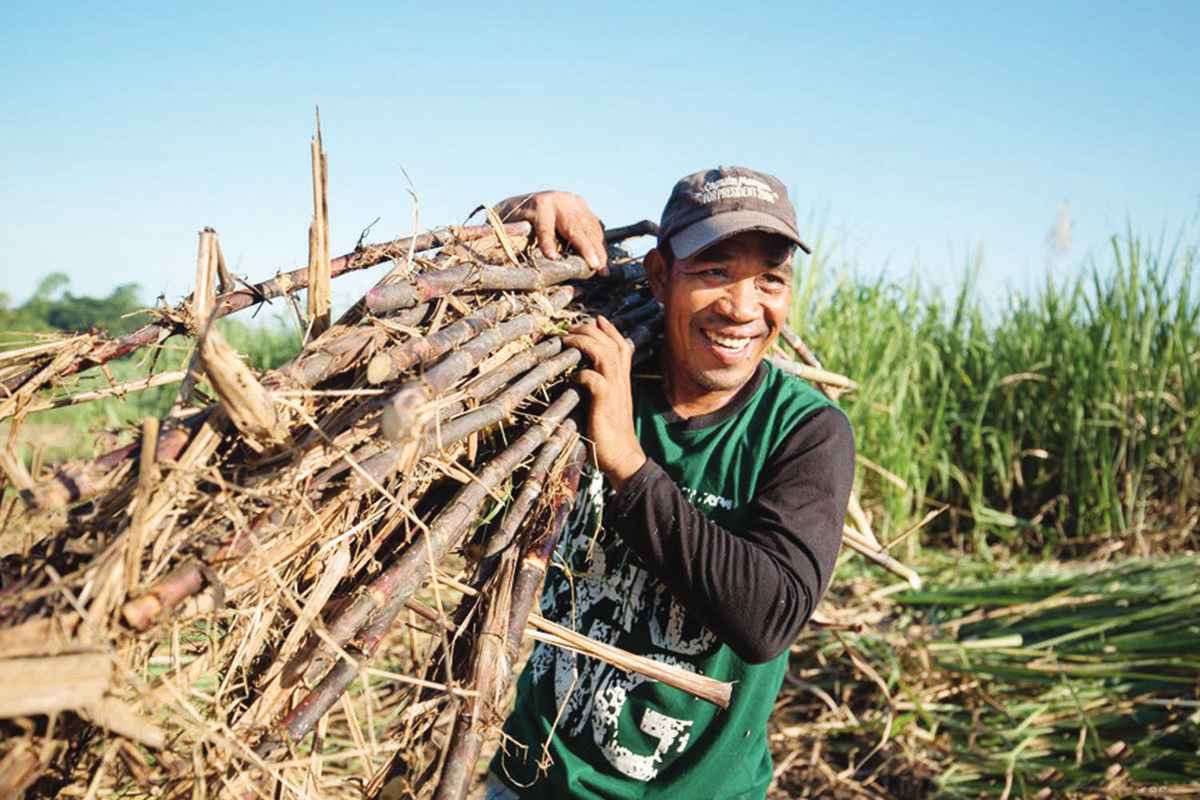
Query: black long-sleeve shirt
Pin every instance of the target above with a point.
(758, 586)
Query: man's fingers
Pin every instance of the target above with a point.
(590, 346)
(608, 328)
(543, 228)
(591, 380)
(575, 229)
(605, 354)
(596, 236)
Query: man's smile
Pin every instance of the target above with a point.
(729, 347)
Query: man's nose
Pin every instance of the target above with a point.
(741, 301)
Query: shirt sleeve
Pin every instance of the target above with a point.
(755, 587)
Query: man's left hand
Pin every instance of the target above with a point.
(610, 418)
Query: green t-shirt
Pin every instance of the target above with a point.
(613, 734)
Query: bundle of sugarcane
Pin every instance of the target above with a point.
(209, 592)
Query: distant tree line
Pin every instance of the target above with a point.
(54, 308)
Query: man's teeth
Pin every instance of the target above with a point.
(732, 342)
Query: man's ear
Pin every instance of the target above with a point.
(657, 274)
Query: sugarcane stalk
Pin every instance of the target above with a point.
(527, 585)
(543, 630)
(802, 350)
(531, 489)
(153, 333)
(823, 377)
(401, 422)
(181, 583)
(719, 693)
(631, 272)
(472, 277)
(397, 583)
(641, 313)
(391, 363)
(492, 381)
(620, 234)
(861, 544)
(496, 654)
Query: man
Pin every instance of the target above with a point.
(710, 530)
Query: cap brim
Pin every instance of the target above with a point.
(707, 232)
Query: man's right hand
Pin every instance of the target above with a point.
(553, 214)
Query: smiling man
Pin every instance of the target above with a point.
(711, 527)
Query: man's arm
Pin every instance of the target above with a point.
(757, 587)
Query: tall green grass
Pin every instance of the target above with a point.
(1057, 422)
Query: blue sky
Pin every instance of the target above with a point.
(909, 136)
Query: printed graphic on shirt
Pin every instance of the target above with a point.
(616, 599)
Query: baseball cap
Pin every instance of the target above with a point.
(708, 206)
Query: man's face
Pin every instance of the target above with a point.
(724, 308)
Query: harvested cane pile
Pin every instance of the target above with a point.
(210, 592)
(314, 580)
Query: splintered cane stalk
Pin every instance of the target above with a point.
(201, 308)
(832, 385)
(318, 243)
(496, 652)
(147, 478)
(377, 607)
(245, 400)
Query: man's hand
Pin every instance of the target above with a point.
(560, 213)
(610, 418)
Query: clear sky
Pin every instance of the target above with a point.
(910, 135)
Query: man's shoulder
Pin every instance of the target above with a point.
(791, 398)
